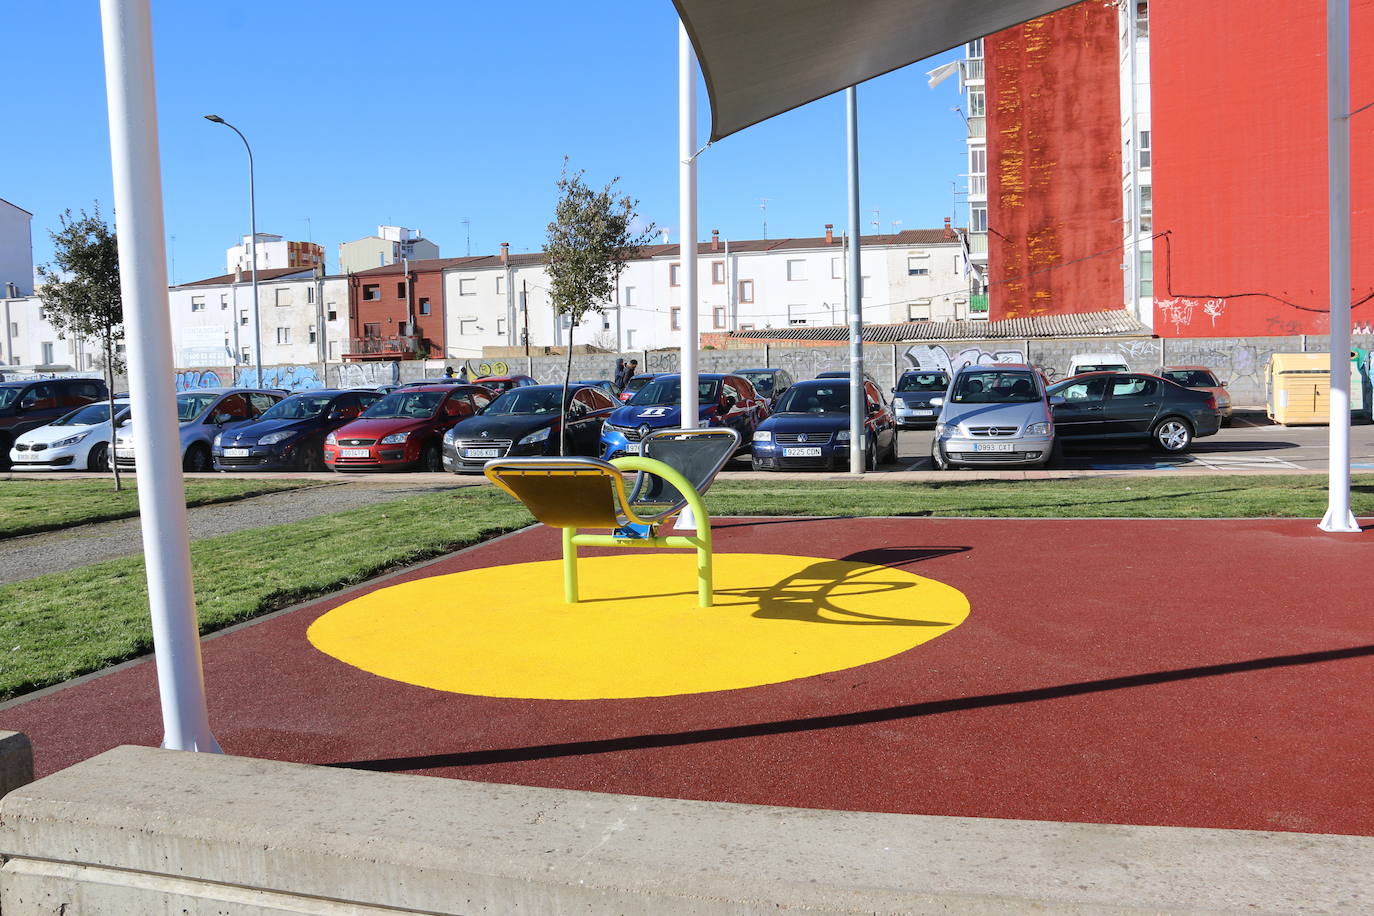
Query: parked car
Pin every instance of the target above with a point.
(29, 404)
(528, 421)
(841, 373)
(79, 441)
(637, 382)
(914, 394)
(1081, 363)
(769, 383)
(604, 384)
(1202, 379)
(403, 430)
(291, 433)
(499, 384)
(994, 415)
(427, 382)
(724, 400)
(1132, 406)
(810, 428)
(203, 413)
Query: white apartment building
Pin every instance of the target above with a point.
(274, 253)
(16, 251)
(390, 245)
(304, 319)
(1136, 184)
(31, 342)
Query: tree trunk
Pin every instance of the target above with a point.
(109, 390)
(567, 375)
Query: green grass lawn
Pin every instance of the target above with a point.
(29, 506)
(59, 626)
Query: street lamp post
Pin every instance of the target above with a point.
(253, 243)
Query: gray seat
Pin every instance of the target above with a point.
(697, 454)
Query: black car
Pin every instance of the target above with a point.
(1131, 407)
(769, 383)
(33, 403)
(810, 429)
(912, 397)
(528, 421)
(291, 433)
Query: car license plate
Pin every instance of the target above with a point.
(354, 453)
(634, 448)
(923, 413)
(994, 447)
(481, 453)
(236, 453)
(801, 453)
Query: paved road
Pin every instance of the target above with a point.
(56, 551)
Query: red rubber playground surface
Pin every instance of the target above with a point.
(1187, 673)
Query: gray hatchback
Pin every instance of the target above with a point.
(994, 415)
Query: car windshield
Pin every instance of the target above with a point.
(89, 415)
(762, 382)
(7, 396)
(1192, 378)
(526, 401)
(833, 398)
(666, 390)
(1099, 367)
(419, 405)
(300, 407)
(923, 381)
(994, 386)
(635, 384)
(498, 385)
(191, 406)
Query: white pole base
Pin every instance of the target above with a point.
(205, 744)
(686, 520)
(1332, 522)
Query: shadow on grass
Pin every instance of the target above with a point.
(843, 720)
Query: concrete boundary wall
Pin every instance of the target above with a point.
(144, 830)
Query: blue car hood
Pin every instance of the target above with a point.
(805, 422)
(252, 432)
(656, 417)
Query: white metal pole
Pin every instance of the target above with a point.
(128, 40)
(1338, 515)
(687, 208)
(857, 413)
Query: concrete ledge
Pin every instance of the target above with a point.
(144, 830)
(16, 761)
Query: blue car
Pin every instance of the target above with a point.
(810, 429)
(724, 400)
(291, 433)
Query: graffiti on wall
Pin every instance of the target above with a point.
(292, 378)
(934, 356)
(484, 368)
(1180, 311)
(197, 378)
(368, 375)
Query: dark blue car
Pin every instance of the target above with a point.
(724, 400)
(810, 429)
(290, 434)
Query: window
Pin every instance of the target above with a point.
(261, 403)
(223, 301)
(1133, 387)
(718, 317)
(746, 291)
(1147, 274)
(746, 327)
(976, 103)
(676, 319)
(796, 314)
(1093, 389)
(1144, 148)
(1142, 19)
(371, 292)
(244, 357)
(674, 274)
(796, 270)
(310, 294)
(978, 219)
(718, 272)
(47, 353)
(197, 303)
(1147, 208)
(424, 306)
(974, 48)
(630, 339)
(467, 326)
(333, 349)
(918, 311)
(978, 171)
(283, 335)
(332, 314)
(372, 329)
(500, 284)
(467, 287)
(281, 296)
(501, 326)
(400, 290)
(14, 329)
(836, 269)
(605, 322)
(314, 334)
(628, 295)
(914, 268)
(243, 316)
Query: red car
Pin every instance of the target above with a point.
(503, 383)
(403, 430)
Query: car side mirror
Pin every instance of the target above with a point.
(1056, 400)
(1224, 384)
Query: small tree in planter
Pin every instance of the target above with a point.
(589, 241)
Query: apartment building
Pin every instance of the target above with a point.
(274, 253)
(29, 341)
(391, 245)
(16, 251)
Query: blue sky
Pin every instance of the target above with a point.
(428, 113)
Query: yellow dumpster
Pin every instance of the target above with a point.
(1299, 388)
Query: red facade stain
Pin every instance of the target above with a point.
(1054, 169)
(1240, 171)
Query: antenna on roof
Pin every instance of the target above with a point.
(467, 228)
(763, 205)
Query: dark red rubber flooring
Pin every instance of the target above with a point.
(1191, 673)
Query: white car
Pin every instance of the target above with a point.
(79, 441)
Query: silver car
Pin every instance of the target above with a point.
(203, 413)
(997, 415)
(913, 394)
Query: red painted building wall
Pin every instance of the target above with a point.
(389, 310)
(1054, 164)
(1240, 174)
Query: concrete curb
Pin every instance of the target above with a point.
(144, 830)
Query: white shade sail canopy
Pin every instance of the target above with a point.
(763, 57)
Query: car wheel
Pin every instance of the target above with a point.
(430, 459)
(99, 457)
(871, 457)
(937, 458)
(310, 458)
(1055, 458)
(5, 446)
(197, 458)
(1173, 435)
(892, 450)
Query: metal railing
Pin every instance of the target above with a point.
(400, 345)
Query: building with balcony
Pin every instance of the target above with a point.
(397, 311)
(274, 253)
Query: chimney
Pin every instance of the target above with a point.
(830, 233)
(949, 233)
(505, 251)
(715, 240)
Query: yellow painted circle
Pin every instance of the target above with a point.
(505, 631)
